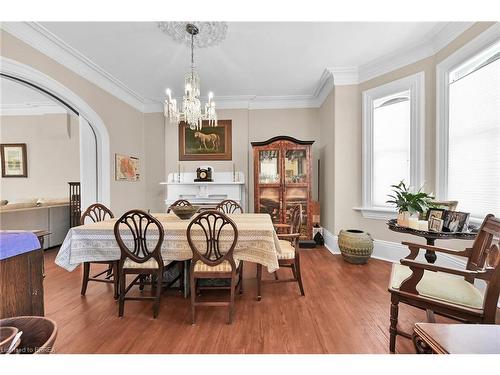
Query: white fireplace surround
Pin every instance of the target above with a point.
(225, 185)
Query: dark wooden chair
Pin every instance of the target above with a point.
(228, 206)
(211, 260)
(99, 212)
(438, 290)
(178, 203)
(289, 256)
(140, 255)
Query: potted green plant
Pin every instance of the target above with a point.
(409, 203)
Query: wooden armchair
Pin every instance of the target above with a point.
(206, 233)
(95, 213)
(289, 256)
(438, 290)
(178, 203)
(228, 206)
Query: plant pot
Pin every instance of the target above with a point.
(403, 218)
(355, 245)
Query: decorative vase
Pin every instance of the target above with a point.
(355, 245)
(403, 218)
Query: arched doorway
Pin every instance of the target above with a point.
(94, 151)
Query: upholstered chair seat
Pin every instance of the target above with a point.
(440, 286)
(150, 263)
(287, 250)
(225, 266)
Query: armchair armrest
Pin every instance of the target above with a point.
(415, 247)
(431, 267)
(288, 236)
(281, 225)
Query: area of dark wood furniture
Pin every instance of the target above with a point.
(291, 184)
(141, 260)
(209, 262)
(95, 213)
(21, 282)
(483, 261)
(75, 209)
(433, 338)
(179, 203)
(228, 206)
(289, 256)
(430, 237)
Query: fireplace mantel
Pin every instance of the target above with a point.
(225, 185)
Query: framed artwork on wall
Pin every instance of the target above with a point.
(14, 160)
(126, 168)
(209, 143)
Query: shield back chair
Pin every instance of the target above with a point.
(289, 256)
(228, 206)
(447, 291)
(212, 237)
(178, 203)
(139, 236)
(95, 213)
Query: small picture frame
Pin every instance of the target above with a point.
(455, 221)
(435, 224)
(436, 213)
(14, 160)
(448, 205)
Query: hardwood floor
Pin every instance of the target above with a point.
(345, 310)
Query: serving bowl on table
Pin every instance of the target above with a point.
(185, 212)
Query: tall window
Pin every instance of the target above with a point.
(393, 116)
(473, 160)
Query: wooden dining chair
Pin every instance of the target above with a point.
(98, 212)
(437, 289)
(228, 206)
(289, 255)
(139, 236)
(212, 237)
(179, 203)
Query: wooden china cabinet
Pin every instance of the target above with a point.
(282, 179)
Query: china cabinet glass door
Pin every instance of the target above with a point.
(270, 184)
(296, 189)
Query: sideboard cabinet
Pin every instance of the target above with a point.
(282, 179)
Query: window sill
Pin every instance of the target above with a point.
(378, 213)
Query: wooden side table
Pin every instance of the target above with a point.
(432, 338)
(430, 237)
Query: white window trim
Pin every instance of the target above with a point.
(443, 69)
(416, 85)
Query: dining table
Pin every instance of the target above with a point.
(257, 242)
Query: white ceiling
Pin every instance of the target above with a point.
(273, 59)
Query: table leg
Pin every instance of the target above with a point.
(430, 255)
(186, 278)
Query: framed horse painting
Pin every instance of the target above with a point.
(209, 143)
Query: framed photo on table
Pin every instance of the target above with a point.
(455, 221)
(435, 224)
(435, 213)
(14, 160)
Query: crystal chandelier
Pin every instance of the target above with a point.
(191, 104)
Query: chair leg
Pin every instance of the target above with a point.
(180, 267)
(85, 280)
(110, 270)
(231, 303)
(393, 331)
(115, 280)
(193, 296)
(156, 307)
(298, 275)
(276, 275)
(259, 278)
(141, 283)
(121, 302)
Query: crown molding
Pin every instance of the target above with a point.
(46, 42)
(38, 37)
(31, 109)
(434, 41)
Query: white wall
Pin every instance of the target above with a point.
(53, 156)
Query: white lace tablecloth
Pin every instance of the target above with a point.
(257, 241)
